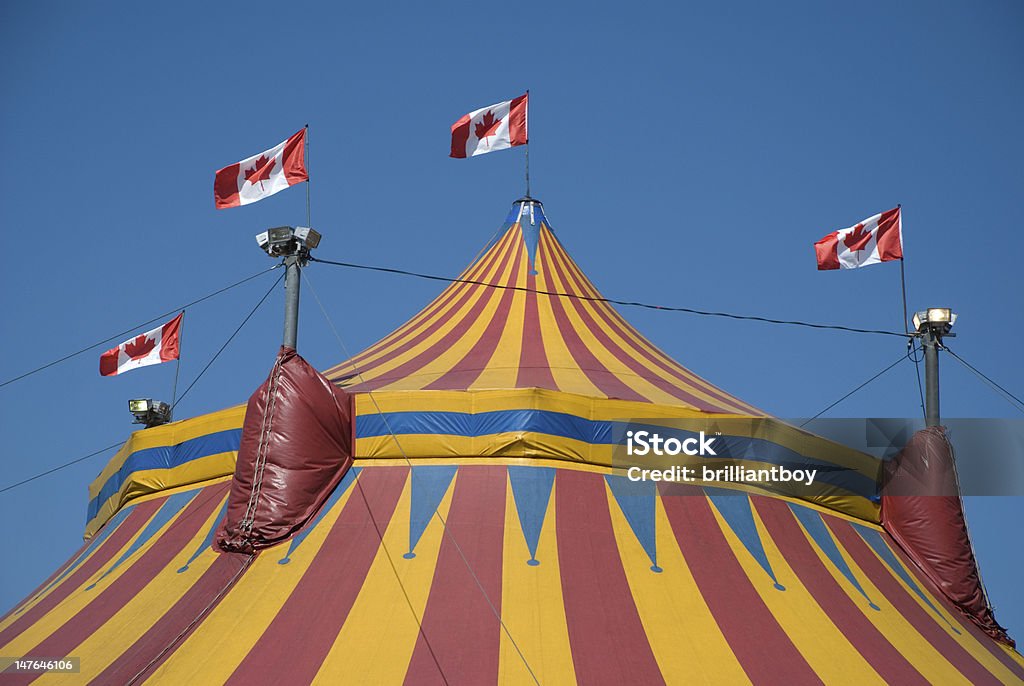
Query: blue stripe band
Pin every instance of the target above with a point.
(165, 457)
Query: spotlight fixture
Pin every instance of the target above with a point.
(938, 320)
(149, 412)
(282, 241)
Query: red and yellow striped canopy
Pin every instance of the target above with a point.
(484, 537)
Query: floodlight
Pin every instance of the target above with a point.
(149, 412)
(939, 320)
(307, 236)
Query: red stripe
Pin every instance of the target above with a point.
(885, 581)
(169, 339)
(158, 643)
(108, 362)
(624, 357)
(962, 621)
(873, 646)
(459, 628)
(469, 368)
(615, 320)
(606, 637)
(534, 371)
(135, 578)
(438, 304)
(761, 645)
(225, 186)
(825, 251)
(427, 316)
(295, 644)
(293, 159)
(429, 354)
(605, 381)
(517, 120)
(117, 540)
(888, 238)
(460, 135)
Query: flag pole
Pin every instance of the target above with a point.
(903, 277)
(307, 176)
(177, 367)
(527, 170)
(527, 142)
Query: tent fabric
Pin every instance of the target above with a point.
(595, 582)
(921, 509)
(482, 535)
(296, 446)
(475, 336)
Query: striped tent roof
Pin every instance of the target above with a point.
(483, 536)
(487, 335)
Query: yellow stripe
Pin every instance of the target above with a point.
(698, 654)
(451, 318)
(224, 638)
(643, 342)
(381, 630)
(447, 358)
(809, 627)
(419, 321)
(532, 607)
(502, 369)
(605, 357)
(628, 347)
(566, 372)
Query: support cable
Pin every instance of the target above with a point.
(120, 443)
(230, 338)
(611, 301)
(1014, 400)
(901, 358)
(136, 327)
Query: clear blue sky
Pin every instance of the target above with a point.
(686, 154)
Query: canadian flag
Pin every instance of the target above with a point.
(876, 239)
(260, 176)
(152, 347)
(491, 128)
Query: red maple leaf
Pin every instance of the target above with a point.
(260, 170)
(487, 126)
(140, 346)
(857, 239)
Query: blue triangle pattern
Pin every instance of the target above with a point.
(529, 224)
(636, 499)
(332, 499)
(874, 539)
(209, 537)
(531, 489)
(811, 519)
(735, 509)
(172, 506)
(429, 484)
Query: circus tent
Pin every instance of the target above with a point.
(482, 534)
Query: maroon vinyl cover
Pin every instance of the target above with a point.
(922, 511)
(297, 444)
